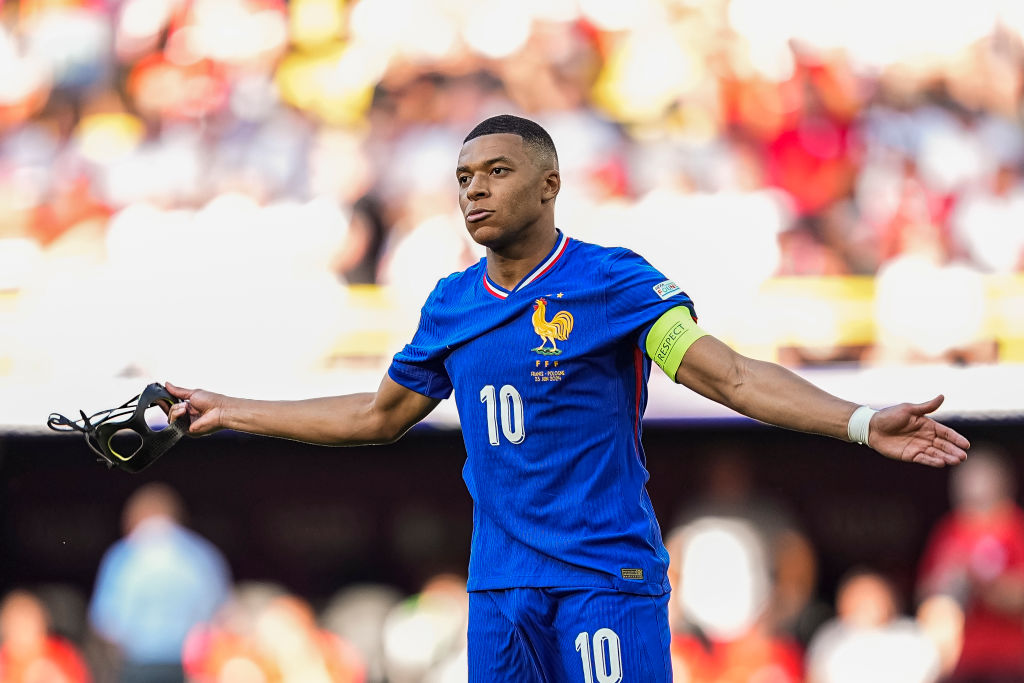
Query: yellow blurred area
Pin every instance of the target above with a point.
(624, 89)
(327, 84)
(374, 309)
(816, 311)
(103, 137)
(840, 311)
(315, 22)
(1005, 321)
(8, 305)
(810, 312)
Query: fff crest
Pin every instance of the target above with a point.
(550, 331)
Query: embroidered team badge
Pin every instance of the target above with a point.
(558, 327)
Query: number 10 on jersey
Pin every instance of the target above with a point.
(509, 404)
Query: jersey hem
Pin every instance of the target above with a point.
(488, 583)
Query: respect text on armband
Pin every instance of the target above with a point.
(668, 342)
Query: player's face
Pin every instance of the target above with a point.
(503, 192)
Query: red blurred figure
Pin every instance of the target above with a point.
(976, 555)
(922, 215)
(805, 127)
(28, 652)
(754, 657)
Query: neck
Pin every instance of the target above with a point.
(508, 265)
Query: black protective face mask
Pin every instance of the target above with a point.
(100, 428)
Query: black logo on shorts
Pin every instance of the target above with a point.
(632, 574)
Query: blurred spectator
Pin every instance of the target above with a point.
(66, 606)
(299, 651)
(270, 636)
(29, 653)
(425, 635)
(918, 221)
(805, 253)
(976, 556)
(814, 153)
(722, 587)
(228, 639)
(912, 327)
(869, 640)
(357, 260)
(729, 492)
(942, 620)
(989, 222)
(357, 614)
(154, 585)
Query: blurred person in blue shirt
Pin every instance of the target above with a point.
(154, 585)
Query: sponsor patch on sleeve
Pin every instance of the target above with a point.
(666, 289)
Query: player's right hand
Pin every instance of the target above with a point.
(205, 409)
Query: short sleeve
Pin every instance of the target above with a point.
(637, 294)
(419, 366)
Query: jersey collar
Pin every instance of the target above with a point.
(539, 271)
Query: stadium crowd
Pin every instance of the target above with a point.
(747, 605)
(292, 149)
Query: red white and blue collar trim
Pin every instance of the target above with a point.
(538, 272)
(494, 290)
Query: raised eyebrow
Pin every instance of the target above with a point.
(488, 163)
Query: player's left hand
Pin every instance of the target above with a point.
(905, 432)
(205, 409)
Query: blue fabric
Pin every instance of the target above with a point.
(153, 586)
(548, 635)
(566, 504)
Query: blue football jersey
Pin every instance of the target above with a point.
(550, 381)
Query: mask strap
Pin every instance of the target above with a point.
(89, 423)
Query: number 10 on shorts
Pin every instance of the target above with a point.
(607, 656)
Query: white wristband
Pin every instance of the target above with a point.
(857, 428)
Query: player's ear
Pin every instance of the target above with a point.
(552, 184)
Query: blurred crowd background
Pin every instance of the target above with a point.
(831, 182)
(750, 604)
(258, 193)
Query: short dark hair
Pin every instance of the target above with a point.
(530, 131)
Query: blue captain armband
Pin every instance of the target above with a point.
(670, 338)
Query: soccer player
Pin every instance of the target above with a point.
(547, 344)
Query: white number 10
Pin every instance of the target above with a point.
(510, 405)
(607, 662)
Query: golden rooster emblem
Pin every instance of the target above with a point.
(558, 328)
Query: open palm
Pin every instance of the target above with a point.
(905, 432)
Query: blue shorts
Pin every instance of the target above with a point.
(555, 635)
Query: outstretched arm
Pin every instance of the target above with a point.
(772, 394)
(354, 419)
